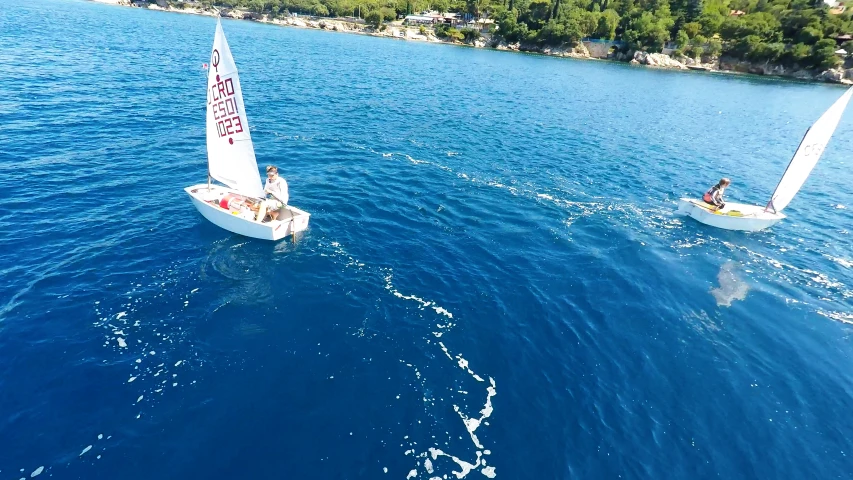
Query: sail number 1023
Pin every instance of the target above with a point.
(221, 99)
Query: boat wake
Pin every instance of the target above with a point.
(433, 454)
(647, 222)
(433, 459)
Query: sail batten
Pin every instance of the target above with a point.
(230, 153)
(807, 155)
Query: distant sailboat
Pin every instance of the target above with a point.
(737, 216)
(231, 158)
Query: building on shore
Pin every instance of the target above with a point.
(434, 18)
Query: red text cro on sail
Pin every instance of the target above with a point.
(220, 97)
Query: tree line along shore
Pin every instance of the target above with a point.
(804, 39)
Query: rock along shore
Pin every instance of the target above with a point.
(658, 60)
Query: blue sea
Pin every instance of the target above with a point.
(494, 283)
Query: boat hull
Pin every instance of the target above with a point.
(736, 216)
(206, 201)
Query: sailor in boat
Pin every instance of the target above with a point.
(714, 195)
(277, 196)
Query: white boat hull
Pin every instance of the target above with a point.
(736, 216)
(206, 201)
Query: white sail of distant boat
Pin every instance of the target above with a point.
(809, 152)
(230, 153)
(738, 216)
(231, 159)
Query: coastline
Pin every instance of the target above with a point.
(720, 65)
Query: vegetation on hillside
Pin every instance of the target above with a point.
(789, 32)
(797, 32)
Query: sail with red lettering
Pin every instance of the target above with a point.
(230, 153)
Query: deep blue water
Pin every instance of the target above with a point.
(479, 218)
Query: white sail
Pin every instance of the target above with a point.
(230, 154)
(807, 155)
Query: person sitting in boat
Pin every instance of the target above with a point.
(277, 195)
(714, 196)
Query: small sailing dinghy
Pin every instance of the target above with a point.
(737, 216)
(231, 158)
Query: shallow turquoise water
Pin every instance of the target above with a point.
(477, 215)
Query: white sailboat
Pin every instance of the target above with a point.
(231, 158)
(738, 216)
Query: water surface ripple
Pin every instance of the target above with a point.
(494, 282)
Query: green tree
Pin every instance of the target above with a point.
(715, 47)
(692, 29)
(823, 55)
(798, 55)
(809, 35)
(509, 27)
(607, 24)
(470, 34)
(711, 22)
(373, 18)
(697, 52)
(453, 34)
(682, 39)
(388, 14)
(647, 32)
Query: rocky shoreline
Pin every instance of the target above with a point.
(724, 65)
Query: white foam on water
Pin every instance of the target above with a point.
(841, 261)
(85, 450)
(164, 332)
(471, 423)
(384, 469)
(389, 286)
(37, 472)
(731, 288)
(100, 436)
(464, 467)
(842, 317)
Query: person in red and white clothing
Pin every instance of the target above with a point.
(714, 195)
